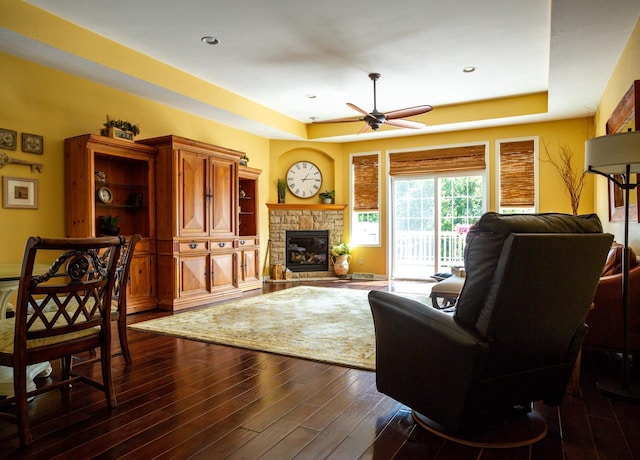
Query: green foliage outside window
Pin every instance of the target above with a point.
(368, 217)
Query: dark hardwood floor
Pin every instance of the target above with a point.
(186, 399)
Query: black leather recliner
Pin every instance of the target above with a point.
(516, 331)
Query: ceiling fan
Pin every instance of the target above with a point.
(375, 119)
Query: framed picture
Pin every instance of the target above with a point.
(8, 139)
(19, 193)
(32, 143)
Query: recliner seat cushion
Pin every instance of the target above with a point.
(484, 245)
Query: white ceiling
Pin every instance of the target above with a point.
(277, 52)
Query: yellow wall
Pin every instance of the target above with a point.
(40, 26)
(552, 196)
(57, 105)
(627, 70)
(327, 157)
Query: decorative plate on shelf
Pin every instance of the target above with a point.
(105, 195)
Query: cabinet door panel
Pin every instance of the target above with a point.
(141, 288)
(192, 192)
(194, 275)
(222, 270)
(250, 268)
(223, 208)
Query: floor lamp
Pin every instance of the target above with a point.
(619, 154)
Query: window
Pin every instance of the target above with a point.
(365, 217)
(517, 175)
(461, 202)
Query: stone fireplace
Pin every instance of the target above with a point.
(304, 217)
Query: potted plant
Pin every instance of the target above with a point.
(282, 190)
(119, 129)
(244, 160)
(109, 225)
(327, 196)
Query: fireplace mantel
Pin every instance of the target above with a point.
(303, 206)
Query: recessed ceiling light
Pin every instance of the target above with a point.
(210, 40)
(469, 69)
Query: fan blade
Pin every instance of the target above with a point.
(365, 128)
(358, 109)
(339, 120)
(408, 112)
(405, 124)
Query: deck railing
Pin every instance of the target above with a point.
(417, 249)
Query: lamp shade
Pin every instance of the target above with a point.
(611, 154)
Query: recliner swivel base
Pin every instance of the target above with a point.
(521, 430)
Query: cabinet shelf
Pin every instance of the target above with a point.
(118, 206)
(120, 185)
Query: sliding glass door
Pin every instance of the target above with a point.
(430, 216)
(413, 227)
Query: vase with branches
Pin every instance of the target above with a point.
(573, 180)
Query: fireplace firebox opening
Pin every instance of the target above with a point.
(307, 250)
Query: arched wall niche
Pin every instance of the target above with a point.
(322, 159)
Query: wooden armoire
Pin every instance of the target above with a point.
(193, 203)
(197, 222)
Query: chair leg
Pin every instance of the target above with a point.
(122, 335)
(65, 367)
(107, 380)
(22, 410)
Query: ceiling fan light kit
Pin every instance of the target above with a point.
(374, 119)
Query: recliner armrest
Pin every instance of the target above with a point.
(415, 344)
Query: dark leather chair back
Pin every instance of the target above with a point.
(483, 250)
(517, 330)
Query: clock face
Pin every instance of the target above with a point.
(304, 179)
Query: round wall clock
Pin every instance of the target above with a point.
(105, 195)
(304, 179)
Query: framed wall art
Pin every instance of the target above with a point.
(8, 139)
(625, 117)
(32, 143)
(19, 193)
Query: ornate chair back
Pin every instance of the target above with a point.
(61, 312)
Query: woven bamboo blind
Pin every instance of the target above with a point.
(517, 181)
(465, 158)
(365, 182)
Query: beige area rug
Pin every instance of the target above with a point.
(322, 324)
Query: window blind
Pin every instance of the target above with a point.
(365, 182)
(451, 159)
(517, 174)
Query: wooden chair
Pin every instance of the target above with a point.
(61, 312)
(119, 297)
